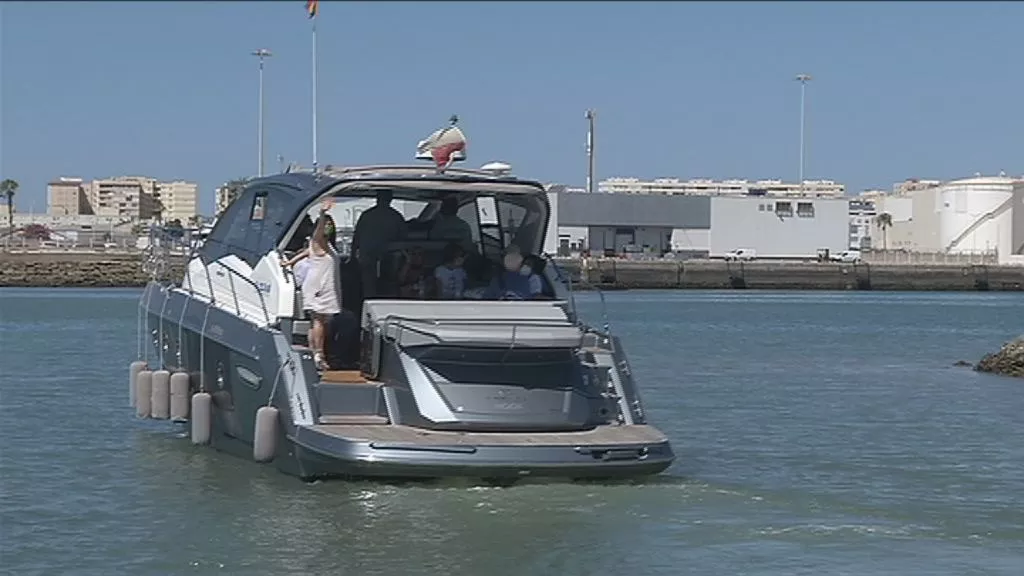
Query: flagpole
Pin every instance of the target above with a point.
(314, 93)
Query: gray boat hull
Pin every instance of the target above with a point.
(240, 365)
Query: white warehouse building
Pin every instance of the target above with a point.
(655, 224)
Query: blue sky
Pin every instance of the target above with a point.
(682, 89)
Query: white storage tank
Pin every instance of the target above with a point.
(976, 215)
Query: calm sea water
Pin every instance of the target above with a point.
(817, 433)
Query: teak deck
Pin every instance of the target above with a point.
(343, 377)
(602, 435)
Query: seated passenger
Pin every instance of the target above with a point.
(450, 277)
(410, 277)
(448, 226)
(517, 281)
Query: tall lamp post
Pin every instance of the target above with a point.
(803, 79)
(590, 115)
(262, 54)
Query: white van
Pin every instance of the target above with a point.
(742, 254)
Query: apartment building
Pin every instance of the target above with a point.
(67, 197)
(129, 197)
(178, 200)
(223, 197)
(706, 187)
(123, 197)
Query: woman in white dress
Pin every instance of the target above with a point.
(319, 289)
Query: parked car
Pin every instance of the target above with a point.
(741, 254)
(847, 256)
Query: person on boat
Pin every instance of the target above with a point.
(450, 277)
(375, 229)
(517, 281)
(410, 277)
(319, 286)
(448, 226)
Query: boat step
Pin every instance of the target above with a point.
(352, 419)
(343, 377)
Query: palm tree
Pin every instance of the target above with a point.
(7, 188)
(884, 221)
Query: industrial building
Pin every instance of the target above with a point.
(698, 225)
(979, 215)
(734, 187)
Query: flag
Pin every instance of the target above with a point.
(311, 6)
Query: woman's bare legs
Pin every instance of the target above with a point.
(316, 339)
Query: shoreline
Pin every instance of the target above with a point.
(124, 270)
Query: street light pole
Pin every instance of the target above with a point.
(803, 79)
(262, 54)
(590, 115)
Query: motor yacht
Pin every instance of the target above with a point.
(418, 387)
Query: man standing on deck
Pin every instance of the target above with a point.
(376, 228)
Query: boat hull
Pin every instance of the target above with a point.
(406, 452)
(239, 364)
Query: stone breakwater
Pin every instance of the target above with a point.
(1008, 361)
(93, 269)
(86, 269)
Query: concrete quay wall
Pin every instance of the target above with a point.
(717, 274)
(97, 269)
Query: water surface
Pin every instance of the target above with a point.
(817, 433)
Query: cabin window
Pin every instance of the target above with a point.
(783, 208)
(259, 206)
(469, 213)
(513, 217)
(805, 209)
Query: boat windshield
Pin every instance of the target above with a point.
(487, 220)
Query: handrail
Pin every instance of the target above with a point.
(567, 278)
(234, 292)
(427, 169)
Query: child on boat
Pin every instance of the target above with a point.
(450, 276)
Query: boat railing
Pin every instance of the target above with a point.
(409, 169)
(566, 279)
(233, 279)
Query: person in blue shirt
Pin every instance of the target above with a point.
(517, 281)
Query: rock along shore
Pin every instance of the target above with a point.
(113, 269)
(77, 269)
(1007, 361)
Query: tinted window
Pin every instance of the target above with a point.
(271, 206)
(230, 230)
(250, 227)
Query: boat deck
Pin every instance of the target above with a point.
(343, 377)
(602, 435)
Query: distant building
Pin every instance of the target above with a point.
(123, 197)
(178, 200)
(67, 197)
(980, 215)
(703, 187)
(862, 219)
(698, 225)
(224, 196)
(912, 185)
